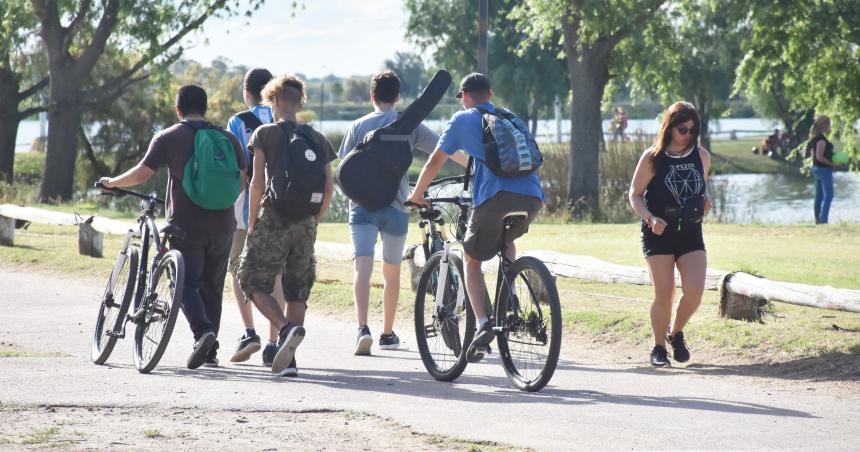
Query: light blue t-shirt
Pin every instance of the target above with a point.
(465, 132)
(422, 138)
(243, 134)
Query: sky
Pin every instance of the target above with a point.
(340, 37)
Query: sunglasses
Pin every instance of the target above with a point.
(683, 130)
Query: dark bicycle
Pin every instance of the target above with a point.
(526, 308)
(157, 293)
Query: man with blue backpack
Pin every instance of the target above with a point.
(504, 157)
(206, 173)
(243, 125)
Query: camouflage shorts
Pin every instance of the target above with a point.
(274, 245)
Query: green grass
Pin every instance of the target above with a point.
(25, 354)
(735, 156)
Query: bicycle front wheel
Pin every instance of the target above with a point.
(115, 302)
(160, 308)
(444, 321)
(530, 313)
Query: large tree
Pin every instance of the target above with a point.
(76, 34)
(602, 40)
(410, 68)
(525, 77)
(808, 53)
(19, 82)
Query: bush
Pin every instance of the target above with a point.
(615, 172)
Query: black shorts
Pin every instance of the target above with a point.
(673, 241)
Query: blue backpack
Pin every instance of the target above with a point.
(509, 147)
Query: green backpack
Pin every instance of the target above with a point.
(212, 178)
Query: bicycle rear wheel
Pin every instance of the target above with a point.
(443, 332)
(114, 304)
(160, 308)
(531, 342)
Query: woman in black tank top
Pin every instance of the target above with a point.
(669, 192)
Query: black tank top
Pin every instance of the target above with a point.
(828, 150)
(678, 186)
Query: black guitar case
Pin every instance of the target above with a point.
(370, 174)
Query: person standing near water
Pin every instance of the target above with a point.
(821, 150)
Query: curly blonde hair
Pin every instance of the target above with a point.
(287, 88)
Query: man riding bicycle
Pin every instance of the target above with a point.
(493, 197)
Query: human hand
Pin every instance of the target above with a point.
(417, 199)
(658, 225)
(708, 204)
(106, 182)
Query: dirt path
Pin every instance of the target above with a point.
(52, 395)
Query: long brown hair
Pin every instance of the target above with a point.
(678, 113)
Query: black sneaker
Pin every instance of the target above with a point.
(679, 347)
(212, 356)
(660, 357)
(450, 330)
(389, 342)
(201, 350)
(269, 354)
(247, 346)
(363, 341)
(481, 343)
(289, 339)
(291, 370)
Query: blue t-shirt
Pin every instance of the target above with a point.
(465, 132)
(243, 134)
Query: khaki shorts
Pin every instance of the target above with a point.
(277, 245)
(236, 250)
(486, 224)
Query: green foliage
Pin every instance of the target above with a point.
(410, 68)
(809, 51)
(525, 77)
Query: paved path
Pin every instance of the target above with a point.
(587, 405)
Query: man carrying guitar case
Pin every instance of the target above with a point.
(376, 153)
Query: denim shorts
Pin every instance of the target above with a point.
(365, 225)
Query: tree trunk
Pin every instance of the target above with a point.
(705, 118)
(535, 115)
(589, 74)
(64, 119)
(9, 121)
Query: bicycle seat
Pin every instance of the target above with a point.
(515, 217)
(171, 230)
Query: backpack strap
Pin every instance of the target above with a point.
(250, 120)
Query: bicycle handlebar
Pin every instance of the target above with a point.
(116, 191)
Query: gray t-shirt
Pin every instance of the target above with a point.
(422, 138)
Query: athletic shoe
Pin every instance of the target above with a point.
(481, 343)
(679, 347)
(289, 339)
(247, 346)
(450, 330)
(660, 357)
(363, 341)
(212, 356)
(291, 370)
(201, 350)
(269, 354)
(389, 342)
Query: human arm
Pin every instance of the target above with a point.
(706, 167)
(329, 190)
(135, 176)
(641, 177)
(428, 172)
(258, 185)
(819, 154)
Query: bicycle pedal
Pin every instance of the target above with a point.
(116, 334)
(429, 331)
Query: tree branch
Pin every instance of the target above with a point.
(34, 89)
(32, 111)
(97, 46)
(100, 95)
(614, 38)
(98, 165)
(76, 24)
(51, 29)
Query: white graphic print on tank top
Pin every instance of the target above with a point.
(683, 181)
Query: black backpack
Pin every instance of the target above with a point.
(297, 186)
(251, 122)
(370, 174)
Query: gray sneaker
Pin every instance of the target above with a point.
(292, 370)
(248, 345)
(363, 341)
(389, 342)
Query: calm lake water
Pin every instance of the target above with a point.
(776, 198)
